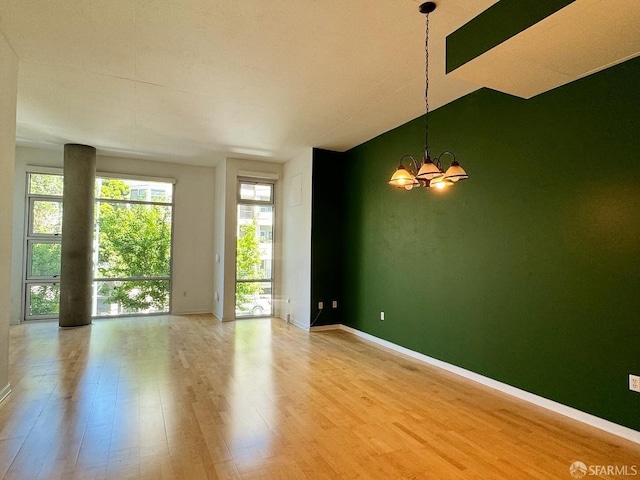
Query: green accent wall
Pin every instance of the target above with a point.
(498, 23)
(528, 272)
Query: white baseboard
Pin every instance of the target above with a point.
(324, 328)
(4, 393)
(300, 325)
(573, 413)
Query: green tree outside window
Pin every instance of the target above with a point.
(248, 263)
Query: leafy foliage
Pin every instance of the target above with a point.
(248, 264)
(135, 241)
(45, 259)
(47, 217)
(45, 184)
(45, 300)
(113, 189)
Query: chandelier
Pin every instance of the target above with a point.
(429, 173)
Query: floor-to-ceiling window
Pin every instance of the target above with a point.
(132, 264)
(254, 248)
(43, 246)
(132, 246)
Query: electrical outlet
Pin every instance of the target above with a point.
(320, 305)
(634, 383)
(381, 315)
(335, 304)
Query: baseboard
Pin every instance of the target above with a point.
(570, 412)
(4, 393)
(300, 325)
(324, 328)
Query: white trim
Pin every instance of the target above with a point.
(292, 323)
(123, 176)
(324, 328)
(299, 325)
(41, 169)
(261, 175)
(142, 178)
(5, 392)
(570, 412)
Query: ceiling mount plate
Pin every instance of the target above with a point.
(427, 7)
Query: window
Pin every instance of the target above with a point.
(133, 258)
(132, 253)
(43, 246)
(254, 249)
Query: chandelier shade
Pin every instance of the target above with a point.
(455, 172)
(402, 178)
(429, 170)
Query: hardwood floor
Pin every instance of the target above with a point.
(191, 398)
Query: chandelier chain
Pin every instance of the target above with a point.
(426, 88)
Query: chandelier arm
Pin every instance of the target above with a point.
(416, 165)
(439, 157)
(446, 152)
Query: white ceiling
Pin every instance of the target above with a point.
(196, 81)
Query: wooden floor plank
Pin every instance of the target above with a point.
(188, 397)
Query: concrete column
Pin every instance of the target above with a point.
(76, 274)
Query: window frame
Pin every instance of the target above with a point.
(30, 238)
(271, 202)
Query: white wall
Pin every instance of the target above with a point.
(296, 239)
(193, 228)
(226, 230)
(8, 99)
(219, 239)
